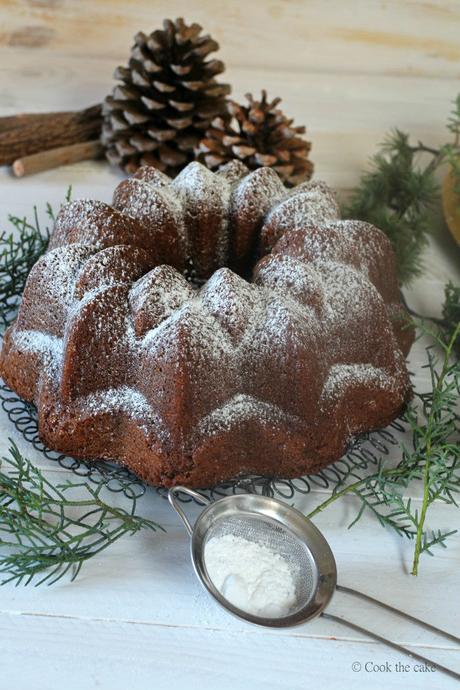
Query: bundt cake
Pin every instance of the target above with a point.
(210, 326)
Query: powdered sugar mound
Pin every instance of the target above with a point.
(250, 576)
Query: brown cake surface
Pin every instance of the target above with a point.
(149, 332)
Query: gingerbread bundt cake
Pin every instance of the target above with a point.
(209, 326)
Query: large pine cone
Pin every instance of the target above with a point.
(259, 135)
(167, 98)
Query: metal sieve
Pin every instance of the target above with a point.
(285, 531)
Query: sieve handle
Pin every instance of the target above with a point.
(398, 612)
(374, 636)
(178, 508)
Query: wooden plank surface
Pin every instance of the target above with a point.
(364, 37)
(143, 590)
(77, 653)
(136, 617)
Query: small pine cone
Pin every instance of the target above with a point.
(165, 101)
(259, 135)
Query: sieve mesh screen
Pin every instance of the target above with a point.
(277, 539)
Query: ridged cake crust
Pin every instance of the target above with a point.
(197, 380)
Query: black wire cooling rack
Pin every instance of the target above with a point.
(362, 456)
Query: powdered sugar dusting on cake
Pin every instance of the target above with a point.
(37, 341)
(309, 206)
(347, 293)
(122, 399)
(49, 348)
(92, 309)
(256, 194)
(231, 300)
(337, 293)
(343, 376)
(299, 303)
(153, 205)
(351, 242)
(239, 409)
(201, 330)
(155, 297)
(205, 196)
(78, 215)
(292, 277)
(60, 267)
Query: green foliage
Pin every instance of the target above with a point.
(453, 122)
(398, 193)
(44, 534)
(432, 461)
(397, 197)
(451, 314)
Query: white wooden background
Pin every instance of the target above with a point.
(136, 617)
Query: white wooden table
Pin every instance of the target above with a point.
(136, 617)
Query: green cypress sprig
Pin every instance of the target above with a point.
(451, 314)
(398, 193)
(46, 534)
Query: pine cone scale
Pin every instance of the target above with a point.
(164, 87)
(160, 135)
(181, 106)
(151, 104)
(181, 70)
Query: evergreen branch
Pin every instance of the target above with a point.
(453, 123)
(398, 192)
(437, 539)
(426, 438)
(44, 533)
(451, 314)
(397, 196)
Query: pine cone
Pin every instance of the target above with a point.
(259, 134)
(166, 100)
